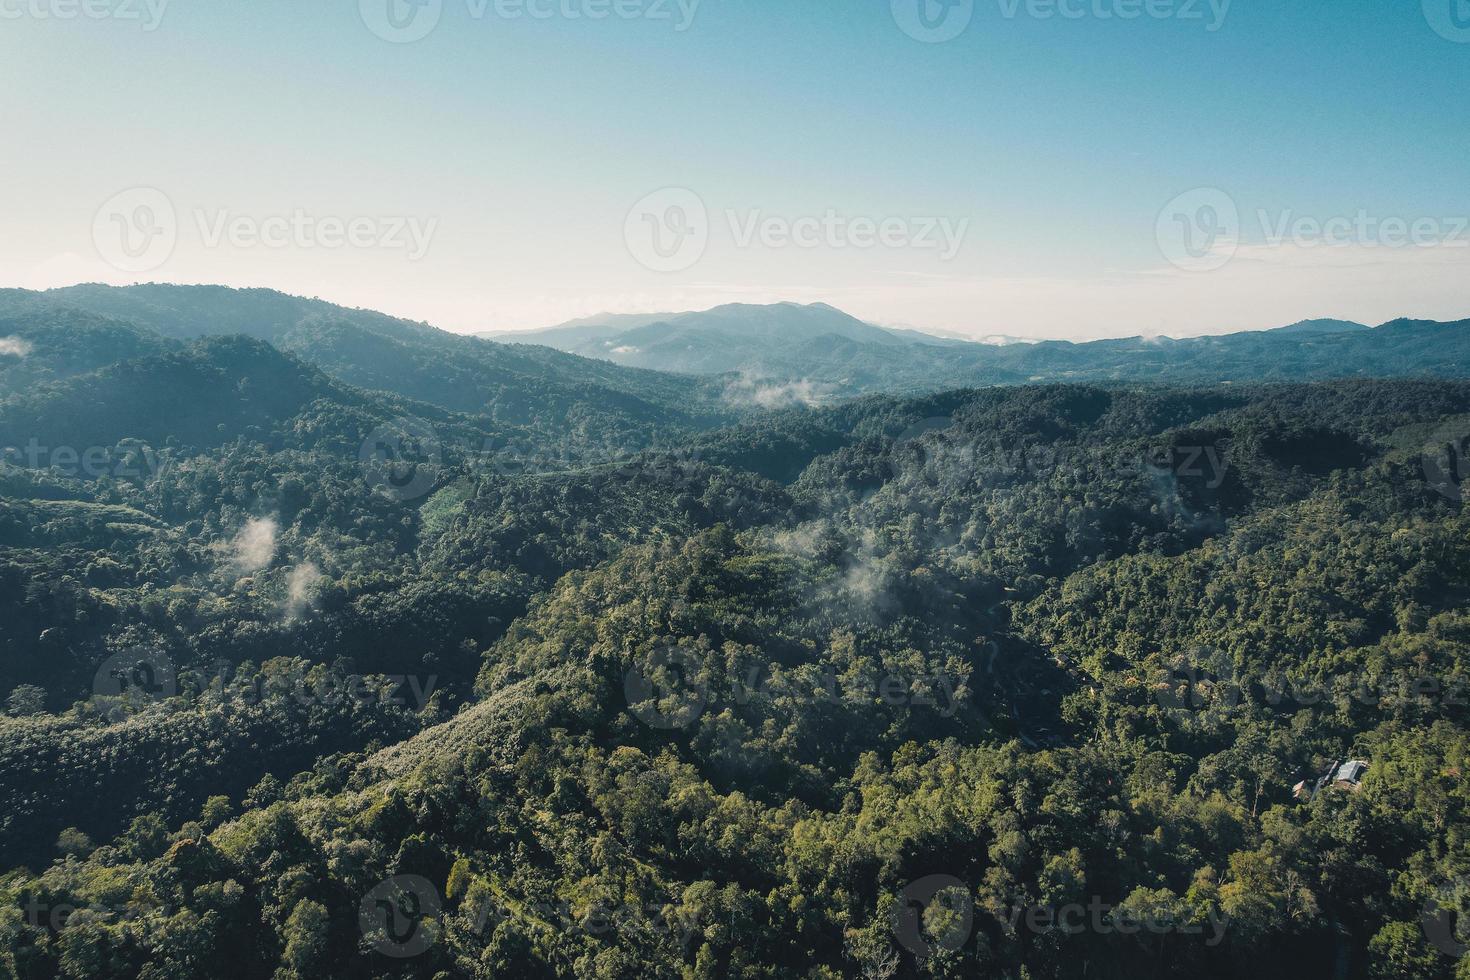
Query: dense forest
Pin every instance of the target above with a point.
(331, 645)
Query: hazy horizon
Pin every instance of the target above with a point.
(1030, 176)
(937, 332)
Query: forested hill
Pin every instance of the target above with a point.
(84, 328)
(305, 679)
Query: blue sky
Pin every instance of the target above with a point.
(1033, 170)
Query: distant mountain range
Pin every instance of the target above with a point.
(1325, 326)
(704, 342)
(628, 378)
(737, 337)
(832, 352)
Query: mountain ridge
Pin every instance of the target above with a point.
(790, 343)
(651, 372)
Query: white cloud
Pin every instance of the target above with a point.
(254, 547)
(301, 587)
(749, 391)
(15, 347)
